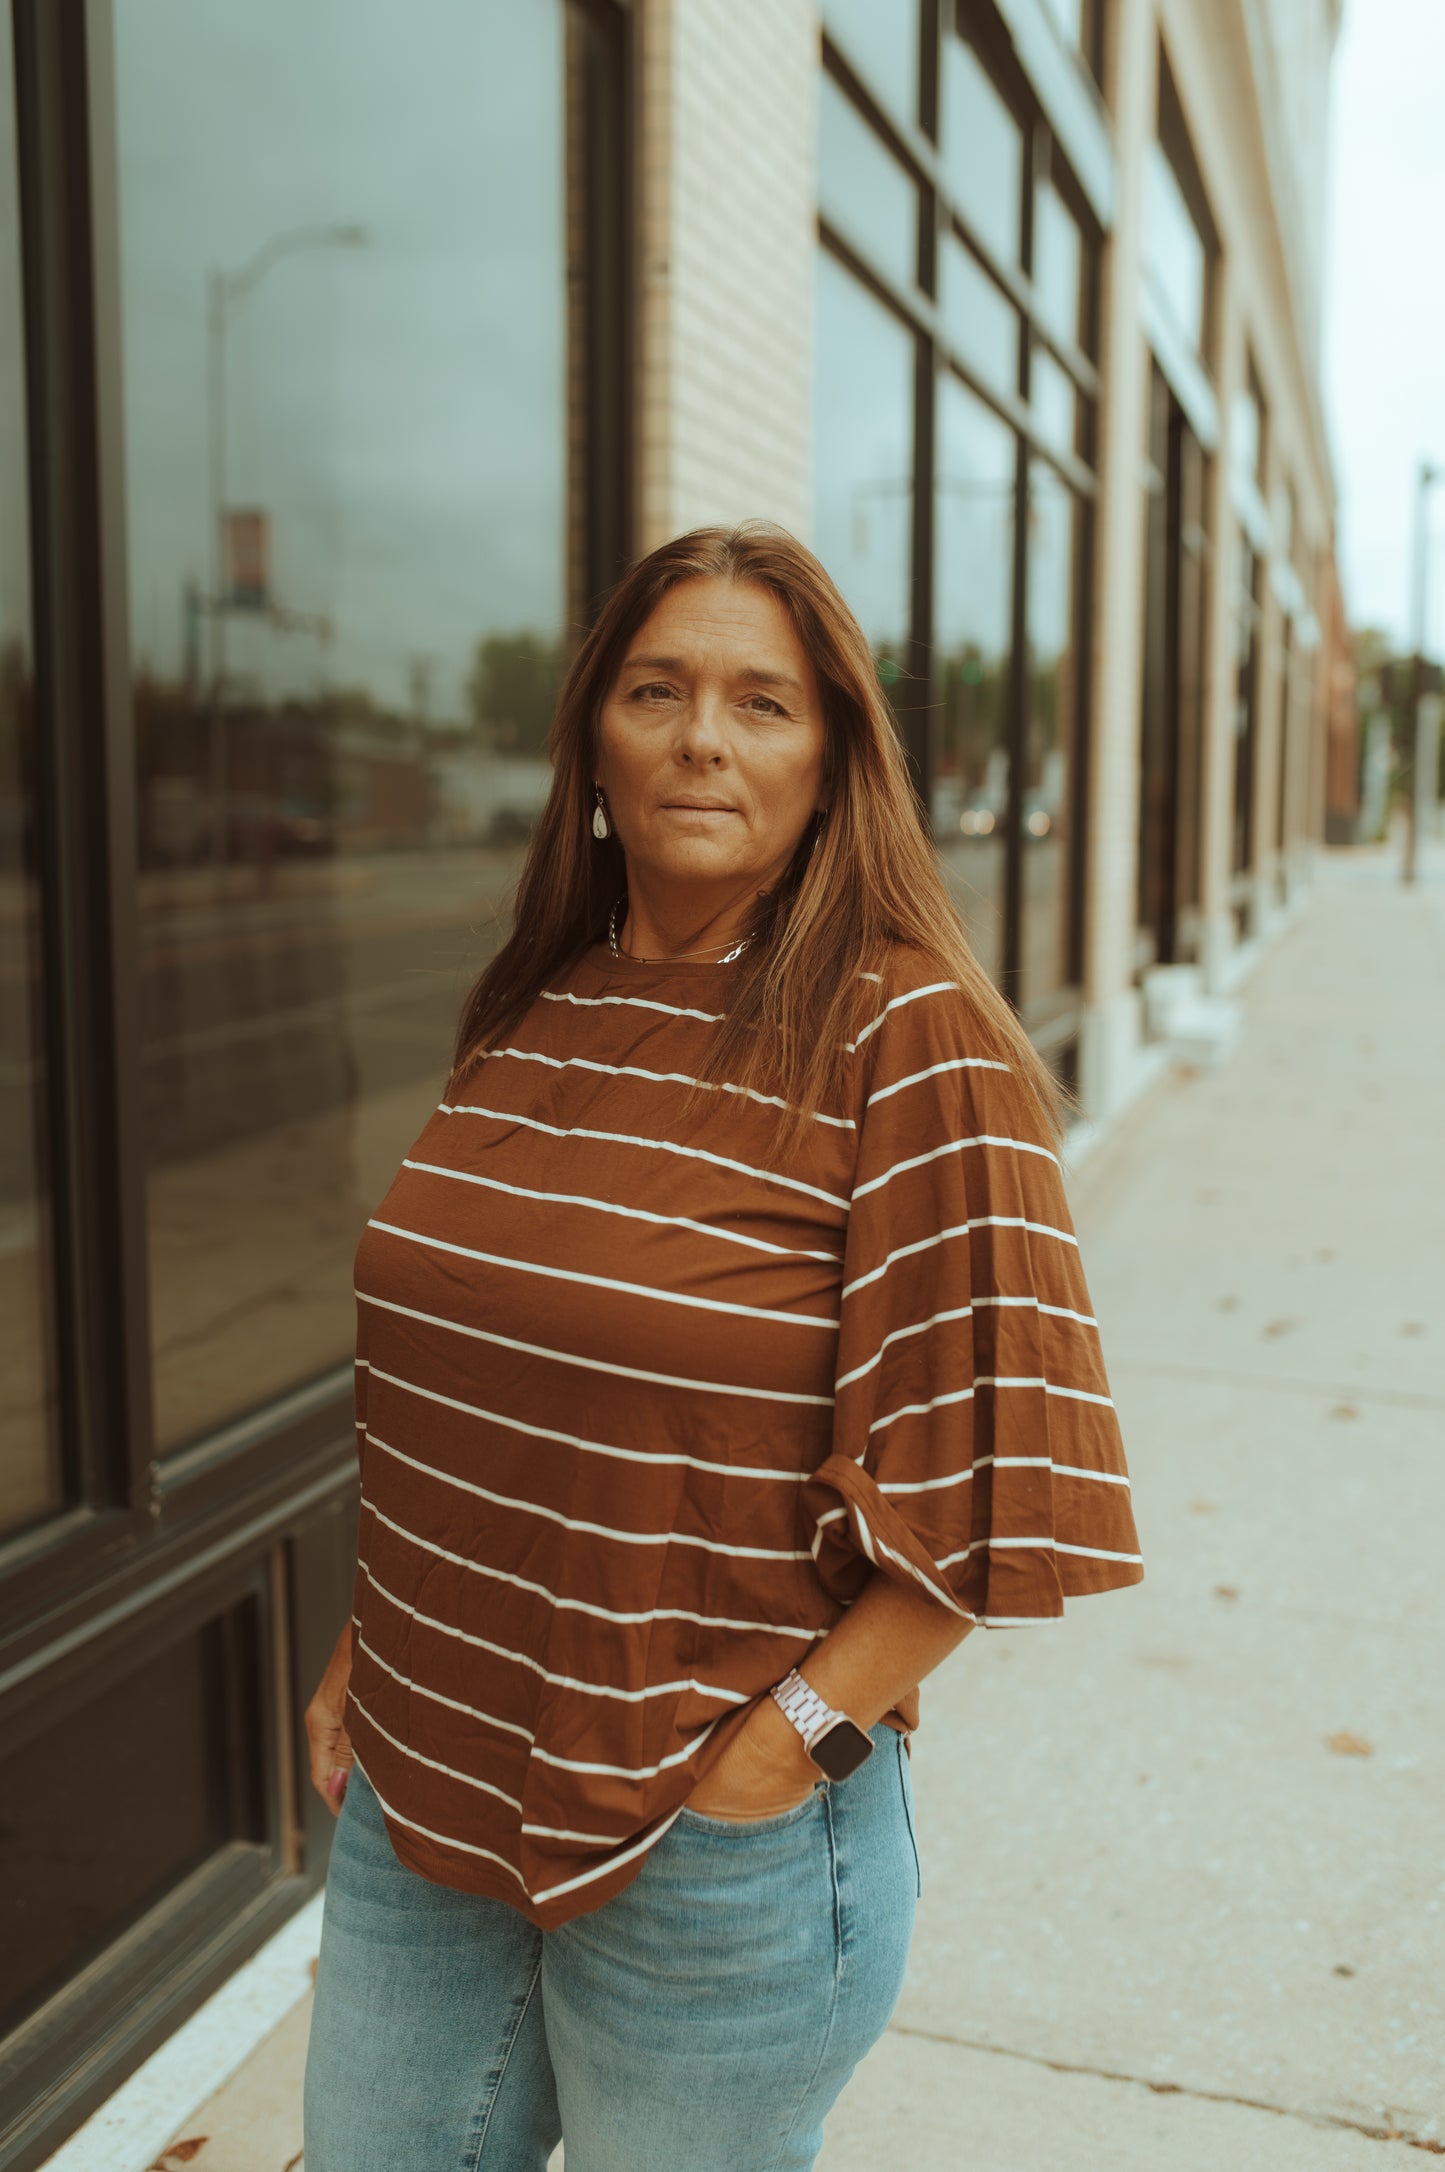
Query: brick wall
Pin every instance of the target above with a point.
(726, 216)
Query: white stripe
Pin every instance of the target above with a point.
(664, 1078)
(614, 1862)
(594, 1365)
(545, 1757)
(934, 1591)
(571, 1523)
(561, 1681)
(959, 1229)
(453, 1704)
(952, 1146)
(954, 1063)
(608, 1206)
(935, 987)
(636, 1003)
(899, 1334)
(584, 1606)
(991, 1380)
(962, 1312)
(604, 1282)
(1060, 1470)
(563, 1832)
(590, 1447)
(933, 1485)
(419, 1758)
(1049, 1545)
(656, 1146)
(444, 1840)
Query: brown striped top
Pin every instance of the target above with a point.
(642, 1402)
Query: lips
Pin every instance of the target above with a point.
(699, 806)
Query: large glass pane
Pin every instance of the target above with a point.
(982, 143)
(863, 457)
(1174, 249)
(1058, 264)
(1054, 401)
(30, 1475)
(864, 191)
(882, 43)
(973, 636)
(982, 325)
(1054, 675)
(345, 260)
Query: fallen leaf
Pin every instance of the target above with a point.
(179, 2153)
(292, 2162)
(1343, 1968)
(1413, 1327)
(1229, 1304)
(1226, 1591)
(1345, 1744)
(1201, 1508)
(1280, 1327)
(1345, 1410)
(1326, 1254)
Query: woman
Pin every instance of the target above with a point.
(723, 1358)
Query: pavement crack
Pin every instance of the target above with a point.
(1337, 2120)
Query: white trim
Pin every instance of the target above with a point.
(131, 2128)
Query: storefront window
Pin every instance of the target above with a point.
(973, 618)
(1058, 264)
(882, 43)
(344, 259)
(864, 192)
(30, 1471)
(1054, 669)
(863, 457)
(981, 324)
(1175, 251)
(983, 147)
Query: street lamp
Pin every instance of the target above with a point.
(224, 290)
(1425, 721)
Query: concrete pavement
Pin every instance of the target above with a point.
(1184, 1884)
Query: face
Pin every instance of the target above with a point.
(710, 741)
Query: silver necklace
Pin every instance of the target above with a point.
(618, 952)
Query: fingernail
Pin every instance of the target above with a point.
(337, 1780)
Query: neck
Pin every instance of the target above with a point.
(672, 922)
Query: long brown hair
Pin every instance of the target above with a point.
(860, 882)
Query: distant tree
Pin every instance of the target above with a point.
(511, 690)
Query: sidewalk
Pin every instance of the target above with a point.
(1184, 1906)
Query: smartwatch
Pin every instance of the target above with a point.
(836, 1744)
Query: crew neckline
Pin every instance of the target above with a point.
(599, 960)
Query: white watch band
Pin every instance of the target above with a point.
(801, 1704)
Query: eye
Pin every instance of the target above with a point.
(773, 708)
(653, 689)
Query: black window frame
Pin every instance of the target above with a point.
(1055, 1022)
(261, 1513)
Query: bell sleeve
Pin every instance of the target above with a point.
(976, 1450)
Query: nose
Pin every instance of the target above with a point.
(702, 740)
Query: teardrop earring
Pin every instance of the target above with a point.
(601, 826)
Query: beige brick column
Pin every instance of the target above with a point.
(727, 204)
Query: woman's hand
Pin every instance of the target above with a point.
(763, 1772)
(332, 1756)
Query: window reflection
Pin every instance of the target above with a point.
(1174, 249)
(30, 1477)
(982, 145)
(863, 457)
(864, 191)
(982, 325)
(882, 43)
(1058, 264)
(973, 611)
(1054, 400)
(347, 437)
(1054, 669)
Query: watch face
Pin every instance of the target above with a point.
(841, 1750)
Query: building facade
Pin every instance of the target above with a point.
(341, 371)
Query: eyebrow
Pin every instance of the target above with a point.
(759, 674)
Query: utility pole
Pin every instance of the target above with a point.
(1424, 753)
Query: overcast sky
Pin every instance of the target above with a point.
(1385, 301)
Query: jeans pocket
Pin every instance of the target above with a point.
(743, 1826)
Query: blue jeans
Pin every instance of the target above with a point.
(704, 2020)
